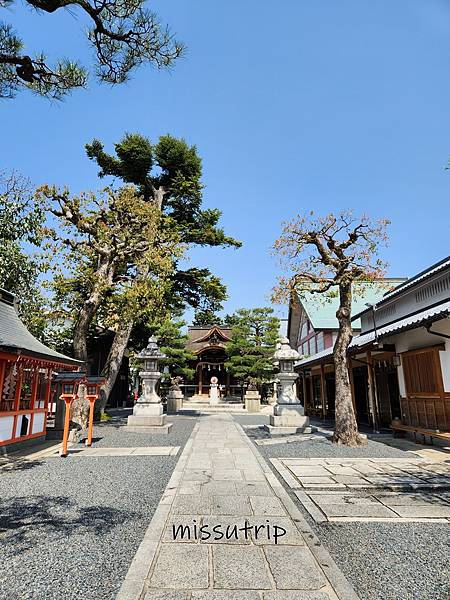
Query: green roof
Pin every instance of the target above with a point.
(322, 312)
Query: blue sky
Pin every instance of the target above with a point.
(294, 105)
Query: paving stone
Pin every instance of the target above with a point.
(227, 475)
(230, 505)
(365, 469)
(240, 567)
(254, 475)
(351, 480)
(249, 488)
(165, 595)
(403, 499)
(324, 498)
(183, 566)
(191, 505)
(226, 595)
(297, 595)
(187, 522)
(312, 471)
(294, 568)
(423, 511)
(229, 526)
(266, 532)
(270, 506)
(337, 470)
(317, 481)
(201, 475)
(190, 488)
(373, 510)
(219, 488)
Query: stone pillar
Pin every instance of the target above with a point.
(175, 396)
(288, 414)
(252, 401)
(148, 411)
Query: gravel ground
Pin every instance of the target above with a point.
(112, 434)
(399, 561)
(383, 561)
(70, 528)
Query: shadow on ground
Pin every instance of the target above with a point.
(22, 518)
(18, 464)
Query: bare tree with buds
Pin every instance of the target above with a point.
(327, 255)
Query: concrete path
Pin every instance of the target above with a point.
(226, 529)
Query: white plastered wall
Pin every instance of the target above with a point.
(6, 425)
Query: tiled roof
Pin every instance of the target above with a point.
(429, 315)
(14, 336)
(436, 268)
(322, 313)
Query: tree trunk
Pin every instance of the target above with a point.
(346, 429)
(114, 360)
(103, 276)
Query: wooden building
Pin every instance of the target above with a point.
(26, 368)
(399, 363)
(312, 322)
(208, 345)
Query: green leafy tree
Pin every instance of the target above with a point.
(119, 262)
(122, 35)
(173, 342)
(21, 263)
(326, 256)
(203, 318)
(254, 335)
(168, 174)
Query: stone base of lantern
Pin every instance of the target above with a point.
(148, 418)
(288, 419)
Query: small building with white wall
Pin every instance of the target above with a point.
(26, 370)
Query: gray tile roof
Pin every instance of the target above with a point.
(15, 337)
(425, 316)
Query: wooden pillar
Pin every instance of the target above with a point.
(17, 395)
(34, 389)
(2, 376)
(305, 398)
(373, 399)
(322, 389)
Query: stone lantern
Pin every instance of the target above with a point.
(288, 414)
(148, 411)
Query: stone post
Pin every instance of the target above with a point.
(252, 401)
(288, 414)
(148, 411)
(175, 396)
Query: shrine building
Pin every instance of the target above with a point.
(26, 369)
(208, 344)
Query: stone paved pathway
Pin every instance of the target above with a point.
(363, 473)
(369, 489)
(243, 537)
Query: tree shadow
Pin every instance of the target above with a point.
(23, 520)
(18, 464)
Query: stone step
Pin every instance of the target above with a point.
(206, 407)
